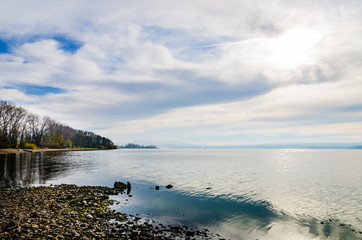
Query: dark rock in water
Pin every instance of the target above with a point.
(120, 185)
(169, 186)
(322, 223)
(330, 220)
(157, 187)
(130, 195)
(129, 187)
(208, 188)
(342, 224)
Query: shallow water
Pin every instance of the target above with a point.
(241, 194)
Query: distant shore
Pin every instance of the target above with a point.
(16, 150)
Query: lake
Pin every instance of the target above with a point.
(240, 194)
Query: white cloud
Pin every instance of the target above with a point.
(13, 95)
(297, 110)
(193, 69)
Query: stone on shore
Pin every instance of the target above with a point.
(78, 212)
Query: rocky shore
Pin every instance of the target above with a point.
(78, 212)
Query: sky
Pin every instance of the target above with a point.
(183, 73)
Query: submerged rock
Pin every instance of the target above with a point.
(120, 185)
(129, 188)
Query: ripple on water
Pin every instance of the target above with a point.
(260, 192)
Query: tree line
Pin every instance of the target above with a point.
(133, 145)
(22, 129)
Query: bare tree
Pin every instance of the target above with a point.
(38, 128)
(12, 119)
(18, 125)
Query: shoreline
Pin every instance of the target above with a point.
(20, 150)
(79, 212)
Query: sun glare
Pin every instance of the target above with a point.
(294, 48)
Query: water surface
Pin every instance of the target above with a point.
(242, 194)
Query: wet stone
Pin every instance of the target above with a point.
(76, 212)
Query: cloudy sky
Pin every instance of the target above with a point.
(188, 72)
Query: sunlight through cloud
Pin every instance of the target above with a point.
(294, 48)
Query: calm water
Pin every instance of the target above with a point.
(241, 194)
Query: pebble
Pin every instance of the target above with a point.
(75, 212)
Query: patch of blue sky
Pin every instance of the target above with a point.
(68, 44)
(3, 46)
(37, 90)
(65, 43)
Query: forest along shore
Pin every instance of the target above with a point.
(79, 212)
(15, 150)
